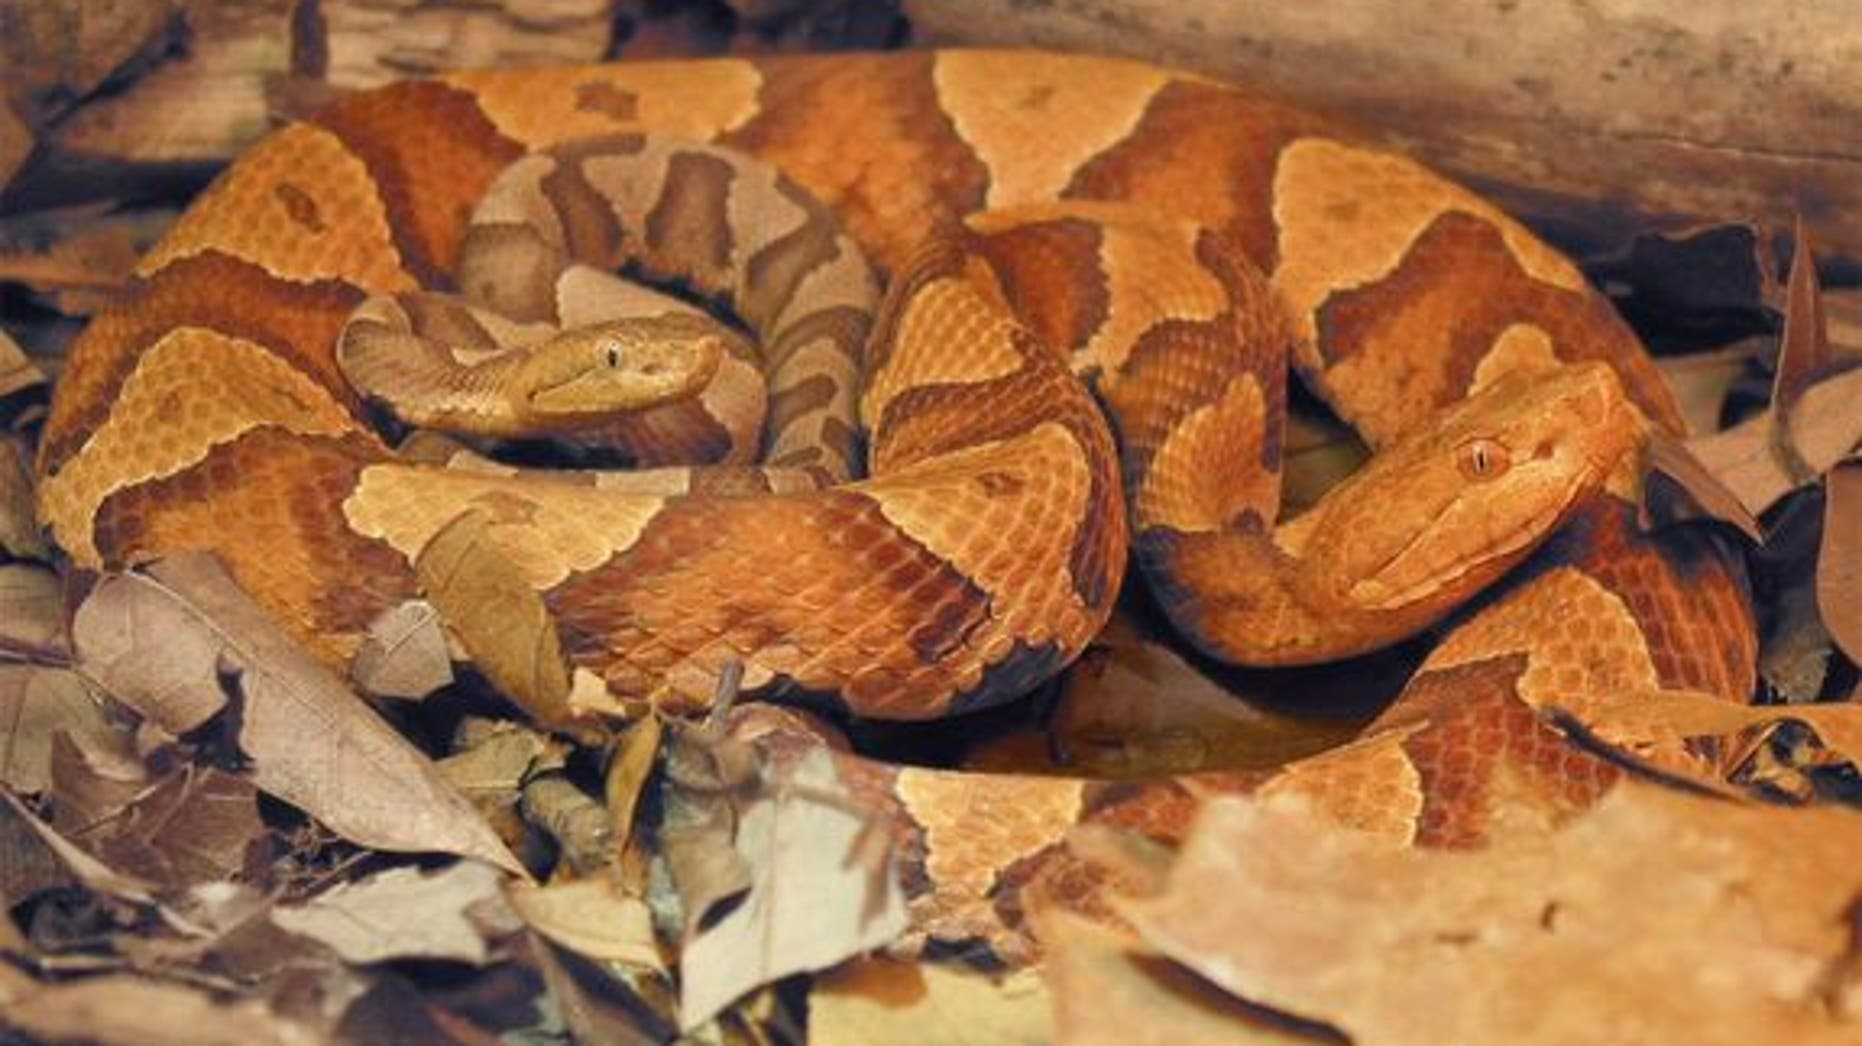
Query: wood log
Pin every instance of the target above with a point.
(1577, 114)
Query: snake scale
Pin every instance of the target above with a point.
(1174, 240)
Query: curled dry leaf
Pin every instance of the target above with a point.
(404, 654)
(404, 913)
(591, 917)
(160, 642)
(884, 1002)
(498, 617)
(811, 902)
(1661, 916)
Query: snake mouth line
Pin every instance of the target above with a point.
(1511, 541)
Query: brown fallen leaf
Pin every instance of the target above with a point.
(404, 654)
(192, 826)
(159, 641)
(498, 617)
(404, 913)
(811, 902)
(592, 917)
(1661, 916)
(123, 1010)
(80, 273)
(17, 371)
(628, 772)
(37, 704)
(1110, 989)
(884, 1002)
(87, 870)
(1839, 559)
(19, 527)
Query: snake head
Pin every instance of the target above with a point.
(1439, 515)
(589, 375)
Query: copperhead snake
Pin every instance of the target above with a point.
(1178, 240)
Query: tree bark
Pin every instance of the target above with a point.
(1577, 114)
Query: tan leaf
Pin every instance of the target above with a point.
(590, 917)
(1112, 990)
(404, 654)
(122, 1010)
(32, 613)
(17, 370)
(92, 873)
(20, 536)
(1839, 559)
(1677, 487)
(403, 913)
(498, 617)
(881, 1002)
(627, 775)
(1826, 424)
(1804, 344)
(158, 642)
(36, 705)
(192, 826)
(809, 905)
(81, 272)
(1741, 916)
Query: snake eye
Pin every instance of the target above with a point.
(614, 355)
(1482, 459)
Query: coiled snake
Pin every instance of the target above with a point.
(1177, 241)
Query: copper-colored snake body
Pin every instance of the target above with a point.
(1176, 241)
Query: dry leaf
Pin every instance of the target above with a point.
(1804, 344)
(159, 641)
(1826, 424)
(121, 1010)
(1678, 488)
(1110, 989)
(193, 826)
(628, 772)
(811, 904)
(17, 372)
(81, 272)
(498, 617)
(93, 782)
(403, 913)
(1839, 559)
(32, 614)
(493, 766)
(36, 705)
(92, 873)
(591, 917)
(19, 526)
(1661, 916)
(880, 1002)
(404, 654)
